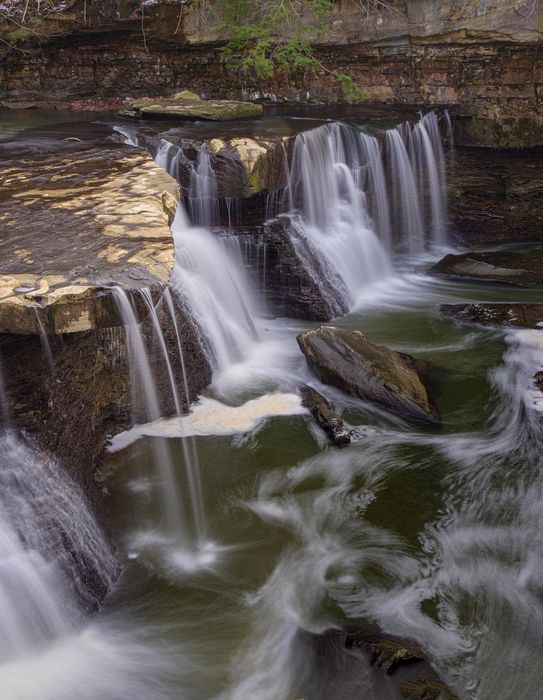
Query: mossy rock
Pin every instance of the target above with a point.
(187, 95)
(212, 110)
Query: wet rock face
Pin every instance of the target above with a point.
(79, 214)
(500, 267)
(391, 380)
(331, 422)
(486, 314)
(293, 279)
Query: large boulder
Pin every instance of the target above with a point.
(485, 314)
(183, 108)
(503, 267)
(331, 422)
(392, 380)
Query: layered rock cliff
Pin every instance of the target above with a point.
(483, 56)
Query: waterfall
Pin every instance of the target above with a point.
(327, 172)
(45, 344)
(208, 272)
(405, 193)
(54, 561)
(184, 522)
(190, 451)
(217, 290)
(190, 455)
(203, 194)
(416, 165)
(358, 203)
(144, 385)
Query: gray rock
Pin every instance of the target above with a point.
(331, 422)
(186, 108)
(392, 380)
(503, 267)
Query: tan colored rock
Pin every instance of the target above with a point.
(244, 165)
(73, 225)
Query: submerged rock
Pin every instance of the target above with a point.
(496, 314)
(184, 107)
(392, 380)
(503, 267)
(331, 422)
(398, 667)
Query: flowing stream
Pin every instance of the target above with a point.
(432, 535)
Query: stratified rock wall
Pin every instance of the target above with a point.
(72, 407)
(496, 195)
(485, 56)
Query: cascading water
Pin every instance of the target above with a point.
(416, 167)
(144, 386)
(351, 206)
(405, 193)
(197, 516)
(54, 560)
(217, 291)
(203, 201)
(46, 345)
(208, 273)
(325, 183)
(183, 522)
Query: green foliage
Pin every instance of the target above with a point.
(351, 90)
(266, 35)
(19, 36)
(249, 49)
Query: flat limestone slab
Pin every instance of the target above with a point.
(75, 220)
(180, 108)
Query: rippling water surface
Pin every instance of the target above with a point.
(431, 534)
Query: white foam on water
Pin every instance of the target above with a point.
(212, 417)
(98, 663)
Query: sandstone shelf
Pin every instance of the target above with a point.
(77, 217)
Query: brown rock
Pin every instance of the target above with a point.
(485, 314)
(331, 422)
(502, 267)
(391, 380)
